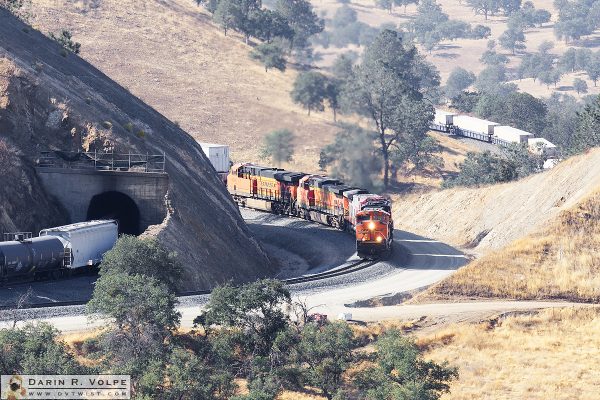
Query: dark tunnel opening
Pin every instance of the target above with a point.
(119, 206)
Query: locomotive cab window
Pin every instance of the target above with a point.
(362, 218)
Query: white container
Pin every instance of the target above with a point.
(218, 155)
(87, 241)
(512, 135)
(443, 117)
(344, 317)
(474, 124)
(542, 146)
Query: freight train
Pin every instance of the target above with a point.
(57, 251)
(316, 198)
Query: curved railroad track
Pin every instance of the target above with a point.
(338, 271)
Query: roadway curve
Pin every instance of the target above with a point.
(415, 263)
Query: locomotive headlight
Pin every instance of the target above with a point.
(379, 239)
(371, 225)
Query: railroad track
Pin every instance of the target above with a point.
(344, 270)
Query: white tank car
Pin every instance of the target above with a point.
(85, 241)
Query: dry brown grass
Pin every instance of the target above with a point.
(173, 57)
(551, 355)
(562, 261)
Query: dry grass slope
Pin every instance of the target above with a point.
(172, 56)
(560, 262)
(491, 217)
(551, 355)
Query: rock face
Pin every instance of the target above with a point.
(51, 99)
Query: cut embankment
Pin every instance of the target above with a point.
(561, 261)
(491, 217)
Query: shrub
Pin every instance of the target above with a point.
(141, 134)
(128, 127)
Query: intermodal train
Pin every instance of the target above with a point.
(57, 251)
(317, 198)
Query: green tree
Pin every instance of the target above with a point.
(271, 55)
(401, 373)
(485, 168)
(580, 85)
(36, 349)
(19, 8)
(225, 14)
(480, 32)
(465, 101)
(459, 80)
(576, 19)
(593, 68)
(132, 255)
(490, 78)
(268, 25)
(485, 7)
(587, 134)
(302, 19)
(567, 60)
(325, 353)
(192, 377)
(342, 67)
(345, 15)
(141, 322)
(279, 146)
(520, 110)
(582, 58)
(491, 57)
(310, 91)
(353, 157)
(561, 120)
(65, 39)
(512, 39)
(254, 309)
(389, 85)
(333, 88)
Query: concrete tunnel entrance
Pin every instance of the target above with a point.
(119, 206)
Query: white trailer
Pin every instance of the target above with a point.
(474, 124)
(85, 241)
(512, 135)
(218, 155)
(443, 117)
(543, 147)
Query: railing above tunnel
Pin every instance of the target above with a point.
(103, 161)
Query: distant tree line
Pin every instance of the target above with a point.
(285, 28)
(244, 333)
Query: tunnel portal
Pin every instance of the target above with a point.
(118, 206)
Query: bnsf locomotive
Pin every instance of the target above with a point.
(316, 198)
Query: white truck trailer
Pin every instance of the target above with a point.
(218, 155)
(473, 124)
(543, 147)
(85, 242)
(443, 117)
(512, 135)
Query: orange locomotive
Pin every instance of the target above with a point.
(316, 198)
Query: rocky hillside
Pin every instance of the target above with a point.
(60, 101)
(492, 217)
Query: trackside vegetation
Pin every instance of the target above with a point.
(256, 335)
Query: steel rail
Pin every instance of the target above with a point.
(341, 271)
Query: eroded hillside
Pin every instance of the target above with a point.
(52, 101)
(173, 57)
